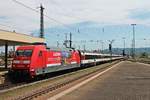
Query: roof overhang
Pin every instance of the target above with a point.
(13, 38)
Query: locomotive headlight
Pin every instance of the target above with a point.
(16, 61)
(26, 61)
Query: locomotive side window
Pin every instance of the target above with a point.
(92, 56)
(19, 52)
(89, 57)
(40, 53)
(24, 53)
(27, 52)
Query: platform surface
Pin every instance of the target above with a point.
(127, 81)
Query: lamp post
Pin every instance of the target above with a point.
(57, 40)
(66, 40)
(84, 46)
(133, 42)
(102, 45)
(110, 48)
(145, 44)
(124, 46)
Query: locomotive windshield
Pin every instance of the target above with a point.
(27, 53)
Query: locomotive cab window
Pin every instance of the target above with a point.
(27, 53)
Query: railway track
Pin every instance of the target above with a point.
(9, 84)
(19, 84)
(51, 88)
(15, 85)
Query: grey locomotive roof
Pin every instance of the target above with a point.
(59, 49)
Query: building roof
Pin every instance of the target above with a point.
(13, 38)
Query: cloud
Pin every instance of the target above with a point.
(140, 14)
(69, 11)
(87, 15)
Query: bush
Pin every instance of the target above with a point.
(144, 55)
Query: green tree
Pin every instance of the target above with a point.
(144, 55)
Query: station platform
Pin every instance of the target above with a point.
(3, 72)
(127, 81)
(3, 69)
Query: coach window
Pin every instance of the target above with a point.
(40, 53)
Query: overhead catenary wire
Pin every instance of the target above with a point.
(25, 5)
(71, 16)
(48, 17)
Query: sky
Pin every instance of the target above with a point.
(87, 20)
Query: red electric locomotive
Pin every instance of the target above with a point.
(38, 59)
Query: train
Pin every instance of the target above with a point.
(38, 59)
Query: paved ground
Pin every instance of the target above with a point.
(128, 81)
